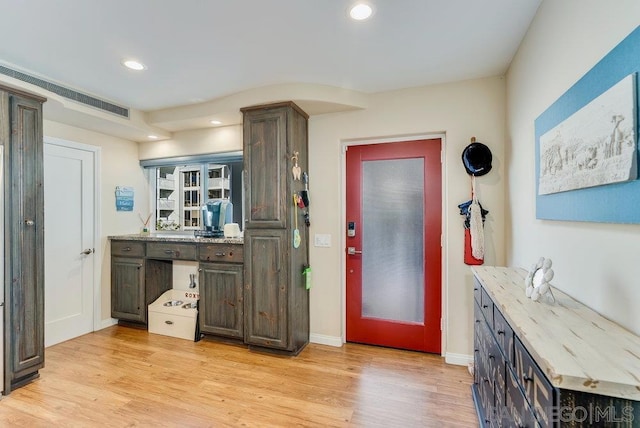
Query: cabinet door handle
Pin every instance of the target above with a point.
(29, 222)
(485, 306)
(168, 322)
(500, 331)
(139, 266)
(126, 249)
(527, 378)
(168, 251)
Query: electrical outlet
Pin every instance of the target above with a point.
(322, 240)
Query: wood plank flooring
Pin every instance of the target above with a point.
(123, 377)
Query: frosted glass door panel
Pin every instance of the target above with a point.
(393, 240)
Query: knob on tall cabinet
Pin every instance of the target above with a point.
(276, 303)
(23, 200)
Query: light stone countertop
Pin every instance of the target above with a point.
(165, 237)
(577, 348)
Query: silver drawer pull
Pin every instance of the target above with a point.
(168, 251)
(126, 249)
(220, 254)
(168, 322)
(29, 222)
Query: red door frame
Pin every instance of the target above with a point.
(425, 337)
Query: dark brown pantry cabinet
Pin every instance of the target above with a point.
(22, 175)
(276, 305)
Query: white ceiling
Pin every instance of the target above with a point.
(201, 52)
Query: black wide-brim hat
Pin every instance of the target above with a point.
(476, 158)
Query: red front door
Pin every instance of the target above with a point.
(393, 254)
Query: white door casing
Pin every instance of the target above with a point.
(71, 265)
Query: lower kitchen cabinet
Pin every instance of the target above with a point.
(127, 289)
(136, 281)
(221, 301)
(263, 302)
(267, 290)
(276, 301)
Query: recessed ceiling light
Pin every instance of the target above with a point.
(361, 11)
(153, 137)
(134, 65)
(216, 122)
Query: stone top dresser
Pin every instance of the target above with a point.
(549, 364)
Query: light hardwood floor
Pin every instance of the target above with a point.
(123, 377)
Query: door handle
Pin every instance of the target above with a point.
(87, 251)
(352, 251)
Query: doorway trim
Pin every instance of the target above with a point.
(96, 151)
(344, 145)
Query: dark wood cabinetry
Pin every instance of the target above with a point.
(276, 301)
(142, 271)
(127, 289)
(22, 176)
(267, 288)
(137, 281)
(221, 300)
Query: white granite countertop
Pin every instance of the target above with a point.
(577, 348)
(165, 237)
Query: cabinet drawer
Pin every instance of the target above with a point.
(487, 307)
(127, 248)
(476, 290)
(518, 413)
(537, 389)
(504, 334)
(478, 319)
(171, 250)
(183, 327)
(228, 253)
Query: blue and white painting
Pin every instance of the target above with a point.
(594, 146)
(618, 201)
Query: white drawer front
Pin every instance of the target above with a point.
(172, 325)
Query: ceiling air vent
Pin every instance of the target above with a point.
(67, 93)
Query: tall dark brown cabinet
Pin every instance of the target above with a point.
(276, 305)
(21, 138)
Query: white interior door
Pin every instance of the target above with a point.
(69, 187)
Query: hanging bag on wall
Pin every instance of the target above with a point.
(476, 159)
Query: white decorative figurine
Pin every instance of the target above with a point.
(537, 281)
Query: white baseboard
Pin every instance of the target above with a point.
(321, 339)
(458, 359)
(107, 323)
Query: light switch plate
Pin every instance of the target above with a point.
(322, 240)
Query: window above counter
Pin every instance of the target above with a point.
(178, 187)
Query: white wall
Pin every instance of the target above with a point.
(594, 262)
(119, 167)
(195, 142)
(460, 110)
